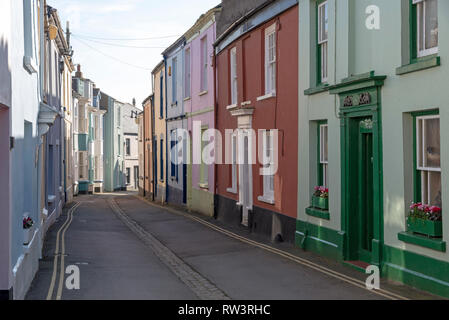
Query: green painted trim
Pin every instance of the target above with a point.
(355, 86)
(416, 270)
(318, 213)
(83, 144)
(418, 65)
(320, 177)
(358, 82)
(423, 241)
(318, 89)
(321, 240)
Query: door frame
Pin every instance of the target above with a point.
(360, 96)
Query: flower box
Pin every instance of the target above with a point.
(320, 203)
(28, 236)
(425, 227)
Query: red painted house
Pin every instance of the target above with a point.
(257, 89)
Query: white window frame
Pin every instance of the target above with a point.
(270, 65)
(323, 42)
(234, 77)
(324, 131)
(268, 180)
(421, 10)
(174, 81)
(30, 25)
(187, 73)
(204, 64)
(234, 149)
(421, 155)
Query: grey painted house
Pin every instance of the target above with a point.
(113, 144)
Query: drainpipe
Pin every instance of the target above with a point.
(166, 132)
(215, 121)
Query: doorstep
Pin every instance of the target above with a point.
(357, 265)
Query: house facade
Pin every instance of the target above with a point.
(256, 114)
(198, 93)
(147, 170)
(372, 110)
(176, 122)
(159, 139)
(114, 179)
(131, 146)
(96, 142)
(83, 90)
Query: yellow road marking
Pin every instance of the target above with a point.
(302, 261)
(55, 260)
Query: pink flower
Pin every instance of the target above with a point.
(435, 209)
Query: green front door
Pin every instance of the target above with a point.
(365, 199)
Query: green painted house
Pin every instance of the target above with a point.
(373, 105)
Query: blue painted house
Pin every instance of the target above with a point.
(176, 124)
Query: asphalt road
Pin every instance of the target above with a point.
(126, 248)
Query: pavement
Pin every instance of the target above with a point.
(128, 249)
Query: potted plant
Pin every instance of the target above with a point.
(27, 230)
(426, 220)
(320, 198)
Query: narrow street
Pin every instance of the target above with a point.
(127, 248)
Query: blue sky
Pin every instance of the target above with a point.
(94, 22)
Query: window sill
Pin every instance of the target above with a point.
(318, 89)
(267, 96)
(318, 213)
(174, 104)
(187, 99)
(423, 241)
(202, 93)
(266, 200)
(231, 190)
(232, 107)
(204, 186)
(420, 64)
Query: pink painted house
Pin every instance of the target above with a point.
(199, 104)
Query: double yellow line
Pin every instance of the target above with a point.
(60, 252)
(353, 281)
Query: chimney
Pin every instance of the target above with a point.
(78, 73)
(134, 102)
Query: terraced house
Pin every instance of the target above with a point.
(257, 76)
(159, 130)
(176, 122)
(198, 92)
(372, 113)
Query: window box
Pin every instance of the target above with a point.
(320, 203)
(426, 227)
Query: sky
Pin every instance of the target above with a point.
(104, 33)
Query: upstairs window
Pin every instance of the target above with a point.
(187, 73)
(425, 20)
(323, 28)
(174, 81)
(204, 64)
(233, 69)
(270, 60)
(128, 146)
(162, 96)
